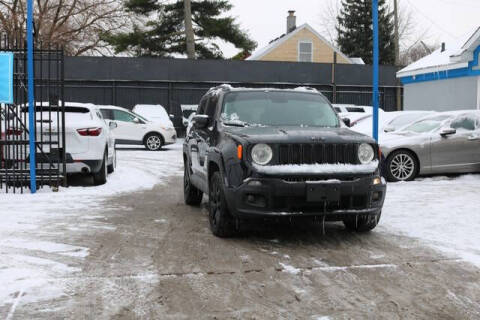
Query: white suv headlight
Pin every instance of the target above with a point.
(365, 153)
(262, 154)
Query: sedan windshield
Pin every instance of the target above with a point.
(405, 119)
(277, 108)
(427, 125)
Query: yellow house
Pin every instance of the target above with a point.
(301, 44)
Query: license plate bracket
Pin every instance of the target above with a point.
(322, 192)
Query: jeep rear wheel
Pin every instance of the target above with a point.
(221, 223)
(191, 194)
(362, 223)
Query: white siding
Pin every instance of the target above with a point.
(443, 95)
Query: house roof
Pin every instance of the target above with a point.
(258, 54)
(457, 55)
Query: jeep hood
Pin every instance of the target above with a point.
(297, 134)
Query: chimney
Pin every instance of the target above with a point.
(443, 46)
(291, 21)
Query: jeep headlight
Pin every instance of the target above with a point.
(365, 153)
(262, 154)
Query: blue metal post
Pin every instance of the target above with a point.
(375, 68)
(31, 97)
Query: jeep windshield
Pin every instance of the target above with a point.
(277, 108)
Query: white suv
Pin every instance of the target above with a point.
(134, 129)
(90, 145)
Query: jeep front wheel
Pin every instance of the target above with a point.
(221, 223)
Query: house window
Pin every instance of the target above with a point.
(305, 51)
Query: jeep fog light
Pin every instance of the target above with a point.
(377, 180)
(365, 153)
(262, 154)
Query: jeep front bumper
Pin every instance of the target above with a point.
(280, 197)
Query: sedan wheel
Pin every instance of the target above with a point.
(402, 166)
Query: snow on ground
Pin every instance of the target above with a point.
(31, 255)
(443, 212)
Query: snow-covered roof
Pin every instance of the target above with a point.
(357, 60)
(457, 54)
(274, 44)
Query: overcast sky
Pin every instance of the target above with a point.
(445, 20)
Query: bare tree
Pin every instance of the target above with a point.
(77, 25)
(408, 30)
(417, 51)
(328, 19)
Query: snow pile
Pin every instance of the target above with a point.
(442, 211)
(318, 168)
(34, 255)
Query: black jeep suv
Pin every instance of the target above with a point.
(279, 153)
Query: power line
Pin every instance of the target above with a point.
(431, 21)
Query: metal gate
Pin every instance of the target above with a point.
(49, 119)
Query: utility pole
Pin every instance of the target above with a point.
(375, 69)
(397, 52)
(396, 33)
(31, 98)
(189, 29)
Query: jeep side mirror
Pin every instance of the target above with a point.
(113, 125)
(200, 121)
(347, 122)
(136, 120)
(447, 132)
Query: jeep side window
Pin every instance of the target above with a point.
(211, 107)
(203, 105)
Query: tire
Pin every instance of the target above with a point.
(100, 177)
(363, 223)
(192, 196)
(221, 222)
(111, 167)
(401, 165)
(153, 142)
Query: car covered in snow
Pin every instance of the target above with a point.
(443, 143)
(387, 121)
(154, 113)
(133, 129)
(351, 108)
(261, 153)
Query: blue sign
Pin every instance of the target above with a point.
(6, 77)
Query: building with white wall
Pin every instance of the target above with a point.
(447, 79)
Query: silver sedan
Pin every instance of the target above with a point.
(444, 143)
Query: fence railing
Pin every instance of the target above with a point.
(49, 120)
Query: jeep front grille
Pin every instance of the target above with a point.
(325, 153)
